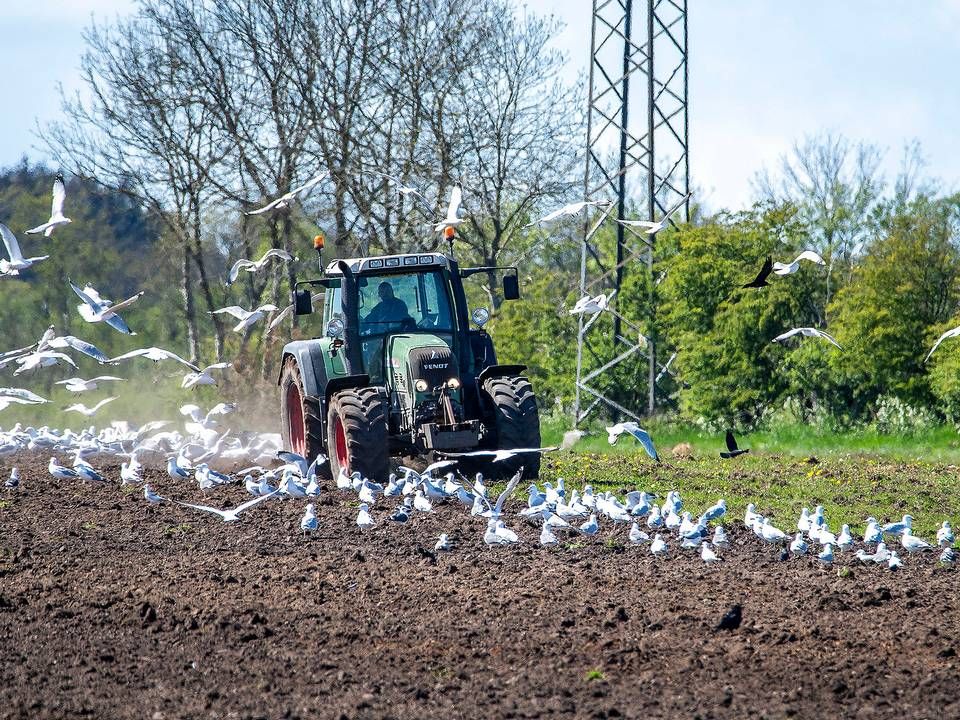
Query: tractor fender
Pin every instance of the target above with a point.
(345, 382)
(492, 371)
(310, 359)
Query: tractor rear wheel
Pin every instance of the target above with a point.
(301, 426)
(357, 433)
(516, 422)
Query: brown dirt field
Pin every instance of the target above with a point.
(111, 608)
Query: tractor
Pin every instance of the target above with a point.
(398, 371)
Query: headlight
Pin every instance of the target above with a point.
(335, 328)
(453, 383)
(421, 386)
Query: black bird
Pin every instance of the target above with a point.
(731, 621)
(732, 449)
(761, 279)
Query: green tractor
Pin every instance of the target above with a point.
(399, 371)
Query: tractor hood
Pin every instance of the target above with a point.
(421, 356)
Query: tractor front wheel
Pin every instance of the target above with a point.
(516, 421)
(301, 427)
(357, 433)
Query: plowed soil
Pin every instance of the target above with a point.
(111, 608)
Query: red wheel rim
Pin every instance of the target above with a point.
(298, 439)
(340, 440)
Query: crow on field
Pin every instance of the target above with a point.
(732, 449)
(761, 280)
(731, 621)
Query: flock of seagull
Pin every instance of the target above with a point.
(561, 517)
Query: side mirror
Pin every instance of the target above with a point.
(302, 302)
(511, 287)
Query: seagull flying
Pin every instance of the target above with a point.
(203, 377)
(651, 226)
(567, 210)
(156, 354)
(258, 265)
(228, 515)
(95, 309)
(790, 268)
(47, 358)
(591, 305)
(451, 220)
(501, 455)
(807, 332)
(246, 317)
(615, 431)
(79, 385)
(56, 210)
(17, 261)
(288, 197)
(89, 412)
(948, 334)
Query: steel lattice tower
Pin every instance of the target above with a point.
(637, 150)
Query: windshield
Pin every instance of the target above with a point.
(403, 303)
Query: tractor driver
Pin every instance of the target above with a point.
(390, 309)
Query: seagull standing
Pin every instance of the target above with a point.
(798, 546)
(57, 217)
(150, 496)
(364, 521)
(913, 544)
(638, 536)
(658, 547)
(707, 554)
(308, 523)
(61, 472)
(17, 261)
(13, 482)
(945, 535)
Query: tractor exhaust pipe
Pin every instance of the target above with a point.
(352, 358)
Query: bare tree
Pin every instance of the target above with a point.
(143, 132)
(835, 184)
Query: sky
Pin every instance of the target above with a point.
(763, 75)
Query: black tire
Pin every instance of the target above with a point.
(362, 413)
(307, 439)
(516, 423)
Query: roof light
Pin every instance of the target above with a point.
(410, 261)
(392, 262)
(449, 232)
(375, 264)
(318, 242)
(426, 259)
